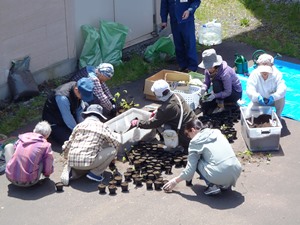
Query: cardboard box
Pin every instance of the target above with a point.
(120, 125)
(260, 139)
(178, 81)
(150, 80)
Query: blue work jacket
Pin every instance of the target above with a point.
(176, 8)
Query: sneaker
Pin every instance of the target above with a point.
(225, 188)
(65, 175)
(212, 190)
(94, 177)
(218, 110)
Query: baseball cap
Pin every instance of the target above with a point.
(159, 86)
(85, 88)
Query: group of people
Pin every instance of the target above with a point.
(74, 115)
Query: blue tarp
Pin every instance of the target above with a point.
(291, 76)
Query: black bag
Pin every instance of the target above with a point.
(20, 80)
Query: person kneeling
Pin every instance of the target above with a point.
(30, 157)
(210, 155)
(91, 147)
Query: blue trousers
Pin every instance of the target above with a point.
(185, 45)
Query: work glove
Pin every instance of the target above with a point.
(261, 100)
(211, 97)
(153, 114)
(170, 185)
(271, 100)
(203, 90)
(134, 122)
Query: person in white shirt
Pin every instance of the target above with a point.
(265, 86)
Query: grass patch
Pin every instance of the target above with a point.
(261, 23)
(16, 115)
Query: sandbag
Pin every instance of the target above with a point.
(20, 80)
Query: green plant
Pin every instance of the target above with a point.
(273, 25)
(123, 101)
(244, 22)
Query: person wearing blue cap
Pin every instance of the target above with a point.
(102, 95)
(64, 106)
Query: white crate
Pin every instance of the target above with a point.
(260, 139)
(191, 96)
(120, 125)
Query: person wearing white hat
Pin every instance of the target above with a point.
(221, 83)
(168, 114)
(265, 86)
(91, 147)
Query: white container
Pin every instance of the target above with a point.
(210, 33)
(260, 139)
(191, 96)
(120, 125)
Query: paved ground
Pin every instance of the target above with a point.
(267, 192)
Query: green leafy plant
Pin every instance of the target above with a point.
(123, 101)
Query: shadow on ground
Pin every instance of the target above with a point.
(225, 200)
(42, 189)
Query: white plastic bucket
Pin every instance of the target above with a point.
(170, 138)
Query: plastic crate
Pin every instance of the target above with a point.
(191, 96)
(178, 81)
(120, 126)
(260, 139)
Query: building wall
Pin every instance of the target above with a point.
(37, 28)
(49, 31)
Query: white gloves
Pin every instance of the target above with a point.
(211, 97)
(65, 175)
(170, 185)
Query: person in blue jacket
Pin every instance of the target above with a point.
(181, 14)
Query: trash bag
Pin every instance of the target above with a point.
(20, 80)
(91, 51)
(162, 49)
(112, 40)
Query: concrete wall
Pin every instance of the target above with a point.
(49, 31)
(38, 28)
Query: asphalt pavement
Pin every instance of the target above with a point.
(266, 192)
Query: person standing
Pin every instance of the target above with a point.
(63, 107)
(30, 156)
(91, 147)
(211, 156)
(265, 86)
(182, 23)
(221, 83)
